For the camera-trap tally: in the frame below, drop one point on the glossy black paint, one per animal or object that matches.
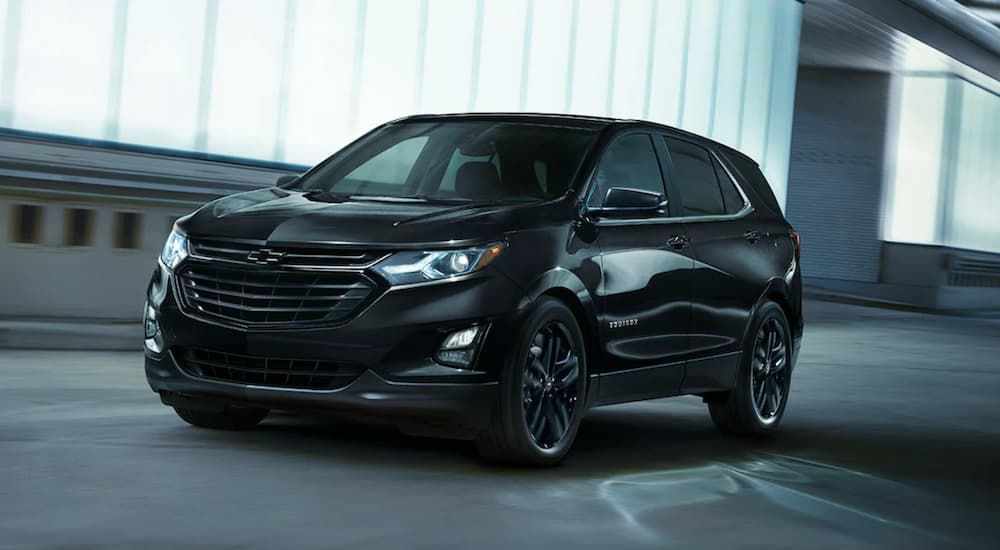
(664, 303)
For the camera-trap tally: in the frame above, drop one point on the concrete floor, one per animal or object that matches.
(891, 439)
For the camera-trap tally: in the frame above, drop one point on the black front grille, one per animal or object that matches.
(285, 256)
(251, 296)
(266, 371)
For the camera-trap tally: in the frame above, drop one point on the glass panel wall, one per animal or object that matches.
(592, 58)
(62, 75)
(161, 76)
(974, 219)
(913, 193)
(320, 85)
(246, 78)
(944, 185)
(632, 54)
(293, 80)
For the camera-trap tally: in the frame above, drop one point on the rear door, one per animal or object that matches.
(732, 262)
(645, 297)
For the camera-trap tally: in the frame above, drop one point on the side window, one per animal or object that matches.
(388, 169)
(629, 162)
(751, 175)
(694, 175)
(730, 195)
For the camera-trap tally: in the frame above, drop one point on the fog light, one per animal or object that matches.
(459, 348)
(151, 330)
(149, 322)
(460, 339)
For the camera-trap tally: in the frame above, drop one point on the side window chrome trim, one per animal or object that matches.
(743, 212)
(746, 199)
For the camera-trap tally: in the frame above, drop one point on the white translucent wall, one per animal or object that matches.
(293, 80)
(945, 182)
(974, 220)
(913, 192)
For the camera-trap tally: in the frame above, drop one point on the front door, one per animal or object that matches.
(645, 295)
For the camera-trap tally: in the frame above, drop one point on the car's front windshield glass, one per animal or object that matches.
(460, 161)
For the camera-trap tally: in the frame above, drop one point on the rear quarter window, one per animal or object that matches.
(750, 173)
(730, 195)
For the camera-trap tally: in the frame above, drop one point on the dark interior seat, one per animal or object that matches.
(478, 181)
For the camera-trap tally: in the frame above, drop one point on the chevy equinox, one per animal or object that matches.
(485, 276)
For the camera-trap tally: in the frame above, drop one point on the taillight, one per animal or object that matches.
(798, 243)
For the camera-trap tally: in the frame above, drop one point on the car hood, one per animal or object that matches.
(277, 217)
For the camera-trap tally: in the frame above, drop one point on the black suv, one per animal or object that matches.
(489, 277)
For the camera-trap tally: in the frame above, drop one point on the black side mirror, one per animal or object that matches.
(622, 202)
(285, 180)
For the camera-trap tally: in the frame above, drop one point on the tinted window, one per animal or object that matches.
(387, 169)
(694, 175)
(458, 160)
(127, 228)
(79, 223)
(750, 172)
(730, 195)
(629, 162)
(26, 223)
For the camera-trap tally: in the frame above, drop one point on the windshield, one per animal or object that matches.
(459, 161)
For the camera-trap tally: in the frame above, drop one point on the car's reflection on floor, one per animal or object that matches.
(891, 442)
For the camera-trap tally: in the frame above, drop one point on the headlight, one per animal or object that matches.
(174, 250)
(403, 268)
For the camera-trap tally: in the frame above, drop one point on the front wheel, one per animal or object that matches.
(542, 390)
(757, 404)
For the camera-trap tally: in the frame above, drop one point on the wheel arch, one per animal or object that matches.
(565, 286)
(779, 292)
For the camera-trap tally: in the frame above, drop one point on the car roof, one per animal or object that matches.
(580, 121)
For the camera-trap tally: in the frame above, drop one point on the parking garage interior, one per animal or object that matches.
(877, 123)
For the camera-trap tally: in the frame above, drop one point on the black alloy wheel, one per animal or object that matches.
(768, 371)
(551, 373)
(757, 403)
(542, 392)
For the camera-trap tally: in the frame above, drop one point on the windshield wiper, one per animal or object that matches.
(456, 201)
(389, 198)
(325, 196)
(331, 196)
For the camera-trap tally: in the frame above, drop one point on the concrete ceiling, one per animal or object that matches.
(901, 35)
(987, 9)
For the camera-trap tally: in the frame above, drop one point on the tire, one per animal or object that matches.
(542, 390)
(757, 404)
(231, 418)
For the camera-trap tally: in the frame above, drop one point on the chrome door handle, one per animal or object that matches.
(752, 236)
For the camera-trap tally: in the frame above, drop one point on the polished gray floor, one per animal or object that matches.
(891, 440)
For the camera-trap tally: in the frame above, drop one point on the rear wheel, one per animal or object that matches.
(542, 389)
(757, 404)
(230, 418)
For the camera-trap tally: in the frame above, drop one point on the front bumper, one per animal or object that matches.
(463, 405)
(391, 343)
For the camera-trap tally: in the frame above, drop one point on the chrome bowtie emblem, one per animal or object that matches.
(265, 256)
